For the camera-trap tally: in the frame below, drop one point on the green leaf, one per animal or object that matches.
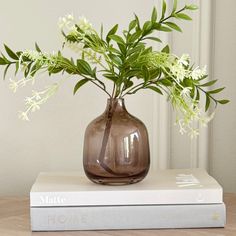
(207, 104)
(5, 59)
(216, 90)
(157, 90)
(146, 51)
(111, 32)
(101, 31)
(188, 82)
(133, 73)
(139, 48)
(80, 84)
(84, 67)
(147, 26)
(175, 6)
(146, 74)
(27, 70)
(160, 27)
(154, 39)
(17, 67)
(166, 49)
(122, 48)
(110, 76)
(182, 16)
(154, 73)
(113, 50)
(36, 67)
(128, 84)
(115, 59)
(165, 29)
(5, 71)
(163, 9)
(37, 48)
(191, 7)
(165, 82)
(3, 62)
(173, 26)
(197, 96)
(131, 59)
(132, 24)
(192, 93)
(208, 83)
(154, 15)
(54, 70)
(223, 101)
(117, 39)
(202, 78)
(10, 53)
(135, 36)
(138, 23)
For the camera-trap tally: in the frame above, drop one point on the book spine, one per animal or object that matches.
(182, 196)
(127, 217)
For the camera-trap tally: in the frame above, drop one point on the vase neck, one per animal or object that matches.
(115, 104)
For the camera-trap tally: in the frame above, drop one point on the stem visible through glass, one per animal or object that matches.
(109, 116)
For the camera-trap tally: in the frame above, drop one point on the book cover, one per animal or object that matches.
(172, 186)
(127, 217)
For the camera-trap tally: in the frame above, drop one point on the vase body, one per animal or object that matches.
(116, 147)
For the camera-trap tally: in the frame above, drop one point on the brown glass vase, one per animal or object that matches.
(116, 147)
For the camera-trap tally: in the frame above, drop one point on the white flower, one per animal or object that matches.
(182, 130)
(185, 92)
(188, 112)
(159, 59)
(33, 55)
(23, 116)
(35, 106)
(73, 31)
(34, 102)
(70, 17)
(36, 95)
(193, 133)
(28, 100)
(206, 119)
(74, 46)
(184, 59)
(23, 83)
(13, 85)
(50, 91)
(178, 71)
(197, 73)
(66, 21)
(84, 24)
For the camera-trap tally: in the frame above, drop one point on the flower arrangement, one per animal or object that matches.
(126, 60)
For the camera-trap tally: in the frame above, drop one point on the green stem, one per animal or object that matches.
(133, 88)
(207, 94)
(113, 90)
(99, 86)
(171, 15)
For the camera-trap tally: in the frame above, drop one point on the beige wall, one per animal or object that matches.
(53, 139)
(223, 135)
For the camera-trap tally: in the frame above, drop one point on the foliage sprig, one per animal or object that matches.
(126, 60)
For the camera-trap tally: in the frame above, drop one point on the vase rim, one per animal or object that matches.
(114, 99)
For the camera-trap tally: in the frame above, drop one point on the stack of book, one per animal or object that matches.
(174, 198)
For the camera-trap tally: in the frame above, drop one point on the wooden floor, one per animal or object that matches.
(14, 221)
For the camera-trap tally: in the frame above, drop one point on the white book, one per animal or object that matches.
(127, 217)
(173, 186)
